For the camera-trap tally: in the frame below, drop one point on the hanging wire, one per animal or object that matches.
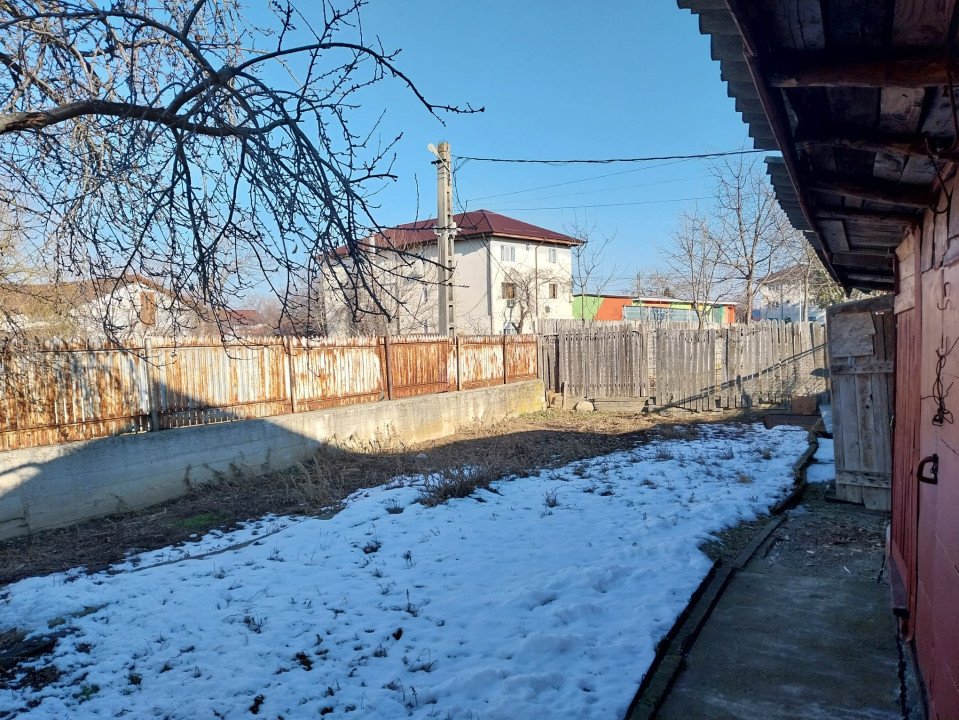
(942, 416)
(607, 161)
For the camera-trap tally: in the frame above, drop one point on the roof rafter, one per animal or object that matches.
(910, 146)
(867, 216)
(904, 69)
(878, 191)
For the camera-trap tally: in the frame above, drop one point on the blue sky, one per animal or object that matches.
(558, 79)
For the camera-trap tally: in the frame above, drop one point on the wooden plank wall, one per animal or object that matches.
(679, 365)
(65, 391)
(863, 345)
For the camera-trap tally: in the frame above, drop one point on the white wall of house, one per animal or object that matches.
(784, 301)
(137, 309)
(547, 266)
(482, 265)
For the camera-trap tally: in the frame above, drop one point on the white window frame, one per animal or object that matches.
(551, 255)
(507, 253)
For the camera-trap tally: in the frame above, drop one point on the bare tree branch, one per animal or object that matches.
(694, 262)
(180, 142)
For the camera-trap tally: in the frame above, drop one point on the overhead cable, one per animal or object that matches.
(607, 161)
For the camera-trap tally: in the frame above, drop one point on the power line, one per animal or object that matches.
(601, 190)
(606, 161)
(573, 182)
(585, 207)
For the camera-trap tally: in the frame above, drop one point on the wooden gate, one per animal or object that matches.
(862, 350)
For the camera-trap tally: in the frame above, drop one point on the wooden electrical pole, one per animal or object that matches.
(445, 233)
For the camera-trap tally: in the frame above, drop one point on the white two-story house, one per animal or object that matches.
(508, 275)
(786, 295)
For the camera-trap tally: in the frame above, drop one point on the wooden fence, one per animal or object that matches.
(64, 391)
(733, 366)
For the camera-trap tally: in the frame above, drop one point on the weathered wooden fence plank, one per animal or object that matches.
(730, 367)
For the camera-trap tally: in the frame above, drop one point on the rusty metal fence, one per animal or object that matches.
(64, 391)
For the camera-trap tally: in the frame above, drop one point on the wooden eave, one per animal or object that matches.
(856, 97)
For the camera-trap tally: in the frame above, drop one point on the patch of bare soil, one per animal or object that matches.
(827, 539)
(493, 451)
(733, 540)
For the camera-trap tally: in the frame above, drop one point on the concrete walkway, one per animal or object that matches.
(803, 630)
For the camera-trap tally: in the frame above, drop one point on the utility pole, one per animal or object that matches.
(445, 233)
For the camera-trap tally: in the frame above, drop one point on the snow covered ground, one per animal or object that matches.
(823, 467)
(542, 597)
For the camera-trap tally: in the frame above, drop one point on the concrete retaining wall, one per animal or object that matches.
(58, 485)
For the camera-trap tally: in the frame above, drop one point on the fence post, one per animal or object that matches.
(290, 372)
(388, 365)
(539, 352)
(459, 367)
(505, 368)
(153, 384)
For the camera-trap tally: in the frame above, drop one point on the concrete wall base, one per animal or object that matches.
(59, 485)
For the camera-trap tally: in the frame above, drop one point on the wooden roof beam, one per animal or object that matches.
(867, 216)
(914, 146)
(906, 70)
(863, 259)
(885, 192)
(873, 282)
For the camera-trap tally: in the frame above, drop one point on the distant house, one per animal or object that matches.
(672, 310)
(784, 295)
(508, 275)
(600, 307)
(122, 308)
(649, 309)
(247, 322)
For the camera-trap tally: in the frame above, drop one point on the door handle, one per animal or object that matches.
(931, 460)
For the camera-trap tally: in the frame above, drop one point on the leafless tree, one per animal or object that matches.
(178, 140)
(407, 304)
(656, 282)
(531, 290)
(817, 286)
(590, 274)
(751, 230)
(694, 262)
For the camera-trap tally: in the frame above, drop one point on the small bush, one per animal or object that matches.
(455, 482)
(549, 499)
(663, 453)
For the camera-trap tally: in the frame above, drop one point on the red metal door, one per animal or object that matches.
(937, 588)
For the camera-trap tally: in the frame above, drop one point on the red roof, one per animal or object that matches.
(246, 316)
(474, 224)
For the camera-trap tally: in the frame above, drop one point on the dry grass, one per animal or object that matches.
(474, 457)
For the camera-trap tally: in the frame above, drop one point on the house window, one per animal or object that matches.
(509, 291)
(551, 256)
(507, 253)
(553, 291)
